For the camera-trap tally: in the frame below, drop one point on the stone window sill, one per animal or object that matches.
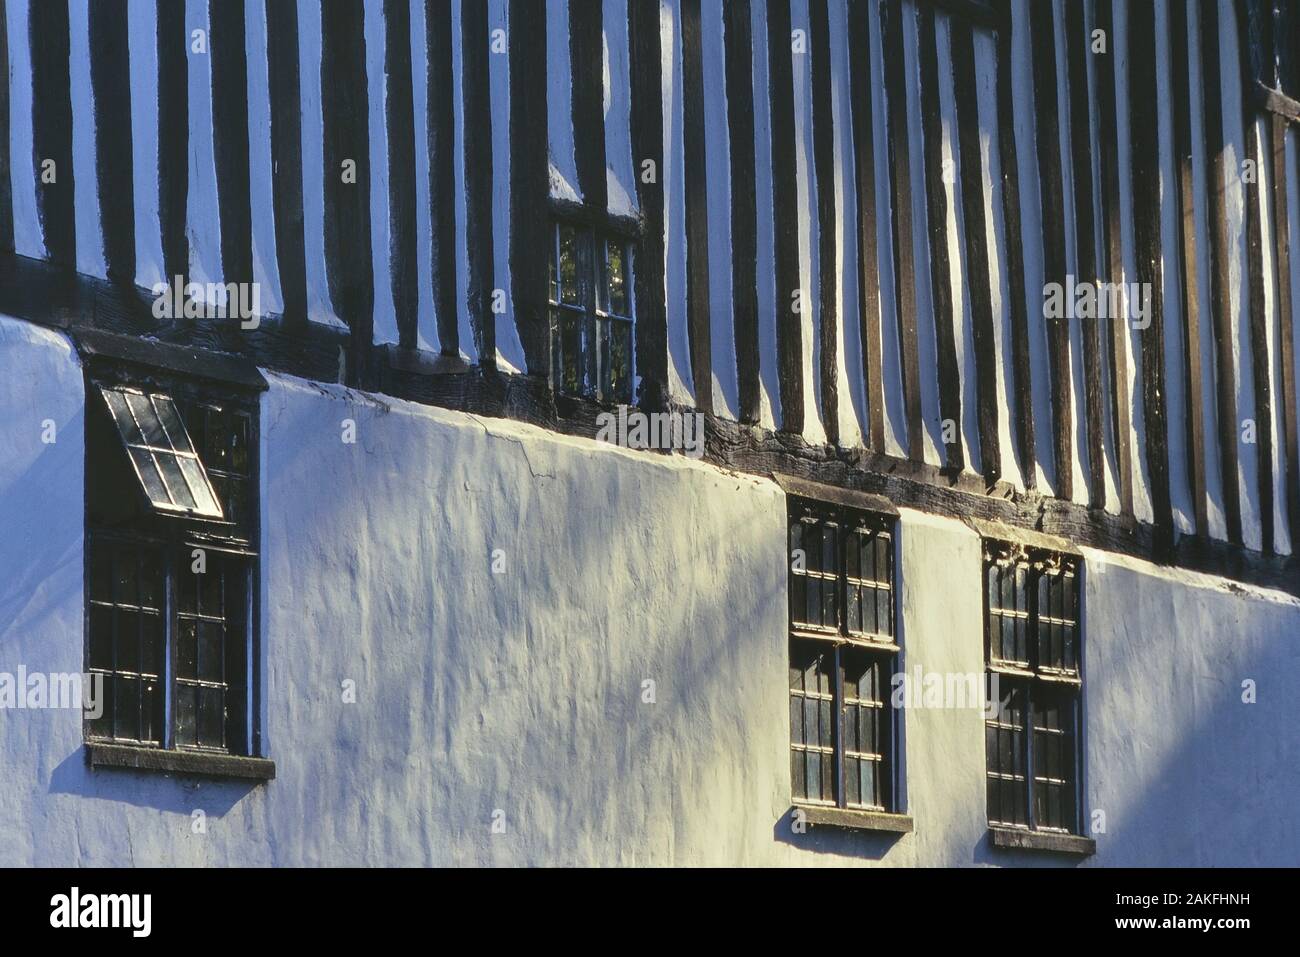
(1011, 838)
(179, 762)
(854, 819)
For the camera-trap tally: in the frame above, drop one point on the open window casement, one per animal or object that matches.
(162, 454)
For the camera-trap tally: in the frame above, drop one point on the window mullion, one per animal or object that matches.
(172, 630)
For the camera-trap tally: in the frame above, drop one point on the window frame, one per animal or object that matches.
(1033, 681)
(174, 535)
(594, 235)
(881, 653)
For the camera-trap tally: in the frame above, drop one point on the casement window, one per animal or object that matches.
(1033, 650)
(842, 657)
(171, 508)
(591, 313)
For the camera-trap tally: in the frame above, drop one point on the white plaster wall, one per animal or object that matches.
(522, 691)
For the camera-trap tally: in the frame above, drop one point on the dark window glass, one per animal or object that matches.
(170, 577)
(1033, 650)
(590, 314)
(842, 657)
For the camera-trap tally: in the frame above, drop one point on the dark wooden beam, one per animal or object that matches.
(586, 65)
(1051, 200)
(936, 203)
(6, 184)
(647, 122)
(738, 40)
(1265, 68)
(230, 137)
(1286, 337)
(40, 292)
(1112, 231)
(345, 109)
(173, 137)
(529, 184)
(477, 110)
(1077, 41)
(965, 87)
(441, 135)
(900, 191)
(52, 129)
(862, 82)
(785, 217)
(1145, 170)
(1022, 379)
(110, 79)
(823, 120)
(1188, 288)
(399, 118)
(286, 157)
(1220, 256)
(696, 175)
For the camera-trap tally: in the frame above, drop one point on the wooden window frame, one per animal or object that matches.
(1033, 680)
(842, 644)
(231, 539)
(595, 310)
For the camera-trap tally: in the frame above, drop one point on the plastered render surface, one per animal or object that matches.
(522, 691)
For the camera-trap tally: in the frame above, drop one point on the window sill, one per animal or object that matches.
(855, 820)
(1011, 838)
(179, 762)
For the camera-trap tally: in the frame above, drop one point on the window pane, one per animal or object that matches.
(1003, 743)
(570, 286)
(616, 268)
(148, 421)
(150, 478)
(617, 361)
(170, 418)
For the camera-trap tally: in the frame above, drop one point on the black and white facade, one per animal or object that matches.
(646, 431)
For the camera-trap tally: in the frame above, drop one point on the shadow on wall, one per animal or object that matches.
(834, 840)
(162, 792)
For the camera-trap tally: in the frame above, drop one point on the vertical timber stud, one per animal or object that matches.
(1145, 169)
(1043, 38)
(441, 128)
(1085, 242)
(828, 271)
(286, 158)
(936, 196)
(6, 185)
(965, 86)
(110, 77)
(52, 129)
(1015, 257)
(647, 117)
(529, 183)
(173, 138)
(1286, 337)
(861, 90)
(738, 41)
(785, 216)
(1263, 412)
(1220, 280)
(345, 108)
(230, 137)
(697, 208)
(586, 62)
(1188, 288)
(399, 117)
(1108, 146)
(900, 191)
(477, 109)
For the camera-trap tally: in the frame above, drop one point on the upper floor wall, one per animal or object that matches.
(850, 221)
